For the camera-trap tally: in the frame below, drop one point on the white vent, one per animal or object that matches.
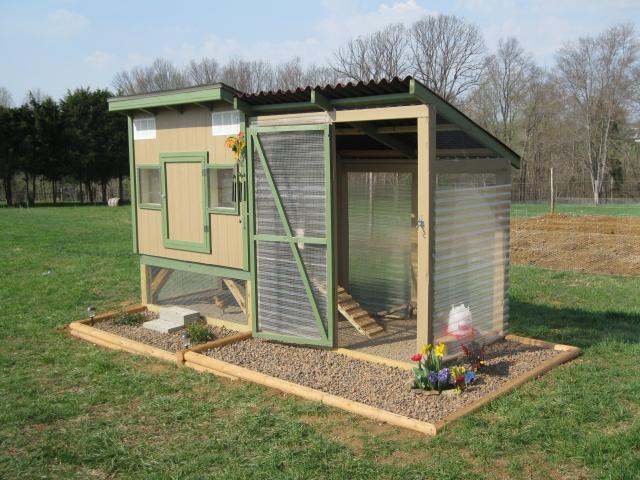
(225, 123)
(144, 128)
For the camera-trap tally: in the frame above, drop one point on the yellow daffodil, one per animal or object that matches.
(441, 350)
(426, 348)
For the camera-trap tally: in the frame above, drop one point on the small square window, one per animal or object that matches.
(144, 128)
(149, 187)
(225, 123)
(222, 188)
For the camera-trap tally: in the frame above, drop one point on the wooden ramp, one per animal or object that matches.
(357, 316)
(238, 292)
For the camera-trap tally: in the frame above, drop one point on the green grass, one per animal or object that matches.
(536, 209)
(72, 410)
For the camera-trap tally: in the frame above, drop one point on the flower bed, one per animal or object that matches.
(376, 385)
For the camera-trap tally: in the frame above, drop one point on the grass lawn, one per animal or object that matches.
(536, 209)
(70, 409)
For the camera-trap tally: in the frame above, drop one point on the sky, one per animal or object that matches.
(59, 45)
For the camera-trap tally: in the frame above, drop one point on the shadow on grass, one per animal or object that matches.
(572, 326)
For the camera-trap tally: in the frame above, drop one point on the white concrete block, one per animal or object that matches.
(163, 326)
(182, 315)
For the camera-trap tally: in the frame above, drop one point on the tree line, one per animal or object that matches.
(75, 140)
(578, 115)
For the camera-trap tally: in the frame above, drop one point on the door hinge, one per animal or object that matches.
(206, 229)
(204, 171)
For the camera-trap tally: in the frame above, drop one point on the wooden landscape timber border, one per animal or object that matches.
(193, 358)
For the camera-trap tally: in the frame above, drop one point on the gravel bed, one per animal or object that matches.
(378, 385)
(171, 342)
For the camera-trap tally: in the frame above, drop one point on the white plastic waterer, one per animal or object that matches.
(460, 324)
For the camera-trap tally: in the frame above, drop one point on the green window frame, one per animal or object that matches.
(141, 184)
(235, 209)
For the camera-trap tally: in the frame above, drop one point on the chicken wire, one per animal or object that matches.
(208, 294)
(296, 162)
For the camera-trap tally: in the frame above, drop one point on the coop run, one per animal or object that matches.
(370, 216)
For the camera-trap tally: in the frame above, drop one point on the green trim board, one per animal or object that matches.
(468, 126)
(132, 185)
(141, 204)
(251, 232)
(235, 210)
(327, 334)
(194, 267)
(215, 93)
(284, 107)
(185, 157)
(321, 101)
(374, 100)
(281, 238)
(244, 199)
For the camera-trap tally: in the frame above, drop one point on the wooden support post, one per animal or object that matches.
(553, 198)
(501, 269)
(144, 285)
(426, 191)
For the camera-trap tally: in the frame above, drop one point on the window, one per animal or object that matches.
(225, 123)
(222, 184)
(149, 186)
(144, 128)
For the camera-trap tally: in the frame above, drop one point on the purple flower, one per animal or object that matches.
(469, 377)
(443, 375)
(433, 378)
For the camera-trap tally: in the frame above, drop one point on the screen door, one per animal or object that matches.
(185, 224)
(293, 287)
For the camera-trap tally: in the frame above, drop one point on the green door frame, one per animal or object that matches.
(187, 157)
(327, 335)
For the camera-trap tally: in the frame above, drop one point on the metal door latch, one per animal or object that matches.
(420, 226)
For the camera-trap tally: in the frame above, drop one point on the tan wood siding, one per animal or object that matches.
(189, 131)
(185, 202)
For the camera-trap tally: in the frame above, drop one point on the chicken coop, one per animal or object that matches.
(370, 216)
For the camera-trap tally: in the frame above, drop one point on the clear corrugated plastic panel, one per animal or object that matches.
(380, 236)
(471, 258)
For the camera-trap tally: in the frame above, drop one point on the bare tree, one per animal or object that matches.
(290, 75)
(448, 55)
(597, 74)
(160, 75)
(502, 95)
(6, 100)
(382, 54)
(249, 76)
(204, 72)
(320, 75)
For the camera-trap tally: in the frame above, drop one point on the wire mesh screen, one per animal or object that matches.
(283, 304)
(471, 258)
(212, 296)
(296, 162)
(380, 240)
(267, 218)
